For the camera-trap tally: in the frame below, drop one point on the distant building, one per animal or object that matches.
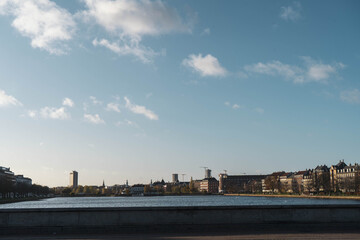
(240, 183)
(137, 189)
(7, 175)
(321, 179)
(334, 170)
(209, 185)
(20, 179)
(349, 178)
(175, 178)
(287, 182)
(308, 182)
(298, 181)
(207, 173)
(74, 179)
(271, 183)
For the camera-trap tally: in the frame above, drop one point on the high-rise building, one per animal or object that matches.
(175, 178)
(207, 173)
(74, 179)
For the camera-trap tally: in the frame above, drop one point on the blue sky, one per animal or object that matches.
(138, 90)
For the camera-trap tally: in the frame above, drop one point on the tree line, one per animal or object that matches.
(11, 189)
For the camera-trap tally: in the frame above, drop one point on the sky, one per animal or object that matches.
(137, 90)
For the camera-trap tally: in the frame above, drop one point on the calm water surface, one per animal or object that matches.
(169, 201)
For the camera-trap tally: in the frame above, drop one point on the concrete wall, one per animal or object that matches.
(72, 219)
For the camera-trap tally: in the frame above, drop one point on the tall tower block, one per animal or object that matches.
(74, 179)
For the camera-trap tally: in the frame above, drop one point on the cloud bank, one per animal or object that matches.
(45, 23)
(129, 21)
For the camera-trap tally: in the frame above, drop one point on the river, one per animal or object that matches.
(170, 201)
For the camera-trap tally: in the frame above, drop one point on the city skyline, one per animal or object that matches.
(140, 90)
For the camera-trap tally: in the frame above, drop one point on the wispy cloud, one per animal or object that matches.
(8, 100)
(351, 96)
(149, 95)
(259, 110)
(54, 113)
(140, 110)
(127, 123)
(313, 71)
(113, 107)
(206, 31)
(236, 106)
(130, 20)
(128, 48)
(95, 101)
(95, 119)
(68, 102)
(45, 23)
(291, 13)
(205, 66)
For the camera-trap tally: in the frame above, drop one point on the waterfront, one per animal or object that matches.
(170, 201)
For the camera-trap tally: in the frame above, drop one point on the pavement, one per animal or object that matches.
(279, 236)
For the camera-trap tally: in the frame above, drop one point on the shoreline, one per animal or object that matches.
(295, 196)
(12, 200)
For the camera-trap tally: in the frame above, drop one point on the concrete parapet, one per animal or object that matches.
(118, 219)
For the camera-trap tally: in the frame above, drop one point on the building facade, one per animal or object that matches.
(209, 185)
(240, 183)
(74, 179)
(20, 179)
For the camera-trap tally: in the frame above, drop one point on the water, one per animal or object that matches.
(170, 201)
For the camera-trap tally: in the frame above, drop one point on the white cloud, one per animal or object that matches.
(140, 110)
(135, 18)
(205, 66)
(291, 13)
(112, 107)
(32, 113)
(313, 71)
(227, 103)
(318, 71)
(68, 102)
(54, 113)
(149, 95)
(259, 110)
(93, 119)
(130, 20)
(45, 23)
(274, 68)
(8, 100)
(95, 101)
(128, 48)
(351, 96)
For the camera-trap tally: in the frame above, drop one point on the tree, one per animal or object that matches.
(272, 183)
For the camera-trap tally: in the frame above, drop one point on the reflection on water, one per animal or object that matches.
(170, 201)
